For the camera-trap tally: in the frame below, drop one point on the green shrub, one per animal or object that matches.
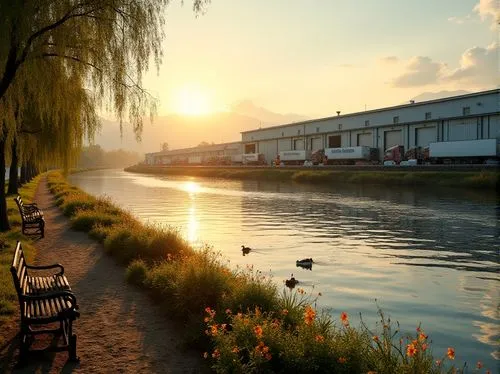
(136, 272)
(85, 220)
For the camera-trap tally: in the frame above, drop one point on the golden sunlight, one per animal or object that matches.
(193, 101)
(191, 187)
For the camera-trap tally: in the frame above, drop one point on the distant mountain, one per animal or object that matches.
(185, 131)
(248, 108)
(426, 96)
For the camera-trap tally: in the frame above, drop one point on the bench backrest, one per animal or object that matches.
(20, 272)
(20, 204)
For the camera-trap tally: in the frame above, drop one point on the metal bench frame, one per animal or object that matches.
(32, 218)
(44, 300)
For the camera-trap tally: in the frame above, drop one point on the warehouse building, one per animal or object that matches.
(416, 124)
(466, 117)
(206, 154)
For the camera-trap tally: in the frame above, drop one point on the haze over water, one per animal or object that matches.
(425, 256)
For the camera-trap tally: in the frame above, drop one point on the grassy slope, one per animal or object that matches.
(487, 179)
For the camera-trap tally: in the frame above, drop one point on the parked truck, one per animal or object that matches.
(396, 155)
(465, 152)
(346, 156)
(253, 159)
(296, 157)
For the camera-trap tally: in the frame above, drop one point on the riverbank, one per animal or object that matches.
(236, 315)
(120, 329)
(390, 176)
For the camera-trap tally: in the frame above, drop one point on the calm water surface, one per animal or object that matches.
(422, 255)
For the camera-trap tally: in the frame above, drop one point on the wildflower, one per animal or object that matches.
(411, 350)
(207, 332)
(320, 338)
(425, 346)
(309, 315)
(223, 327)
(284, 312)
(344, 318)
(275, 323)
(235, 350)
(257, 311)
(263, 350)
(213, 330)
(342, 360)
(422, 337)
(206, 319)
(375, 338)
(216, 353)
(228, 311)
(258, 331)
(419, 329)
(479, 365)
(239, 315)
(451, 353)
(268, 356)
(205, 355)
(438, 362)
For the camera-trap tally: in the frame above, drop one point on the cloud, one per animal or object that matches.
(420, 71)
(488, 9)
(478, 66)
(389, 59)
(460, 20)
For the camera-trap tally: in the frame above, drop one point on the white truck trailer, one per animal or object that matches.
(253, 159)
(464, 151)
(296, 157)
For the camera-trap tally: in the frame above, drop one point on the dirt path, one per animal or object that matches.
(120, 330)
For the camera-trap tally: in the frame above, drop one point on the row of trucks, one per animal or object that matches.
(361, 155)
(482, 151)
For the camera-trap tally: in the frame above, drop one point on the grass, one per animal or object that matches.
(485, 179)
(237, 316)
(8, 297)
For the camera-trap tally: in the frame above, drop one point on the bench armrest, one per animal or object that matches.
(47, 267)
(31, 209)
(53, 295)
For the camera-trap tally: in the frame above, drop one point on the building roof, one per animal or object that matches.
(450, 98)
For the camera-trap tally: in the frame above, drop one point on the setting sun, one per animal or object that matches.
(192, 101)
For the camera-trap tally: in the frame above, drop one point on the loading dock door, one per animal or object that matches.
(365, 139)
(250, 148)
(268, 149)
(463, 129)
(334, 141)
(392, 137)
(424, 136)
(284, 145)
(316, 144)
(298, 144)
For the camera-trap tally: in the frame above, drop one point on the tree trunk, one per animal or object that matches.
(23, 174)
(13, 176)
(4, 219)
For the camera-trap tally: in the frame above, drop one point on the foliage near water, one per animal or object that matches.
(8, 240)
(237, 316)
(485, 179)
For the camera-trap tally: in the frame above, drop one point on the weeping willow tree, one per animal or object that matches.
(101, 47)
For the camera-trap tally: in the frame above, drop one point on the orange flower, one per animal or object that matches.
(213, 330)
(425, 346)
(419, 329)
(206, 319)
(216, 353)
(375, 338)
(451, 353)
(284, 312)
(411, 350)
(258, 331)
(344, 318)
(235, 350)
(422, 337)
(309, 315)
(342, 360)
(320, 338)
(479, 365)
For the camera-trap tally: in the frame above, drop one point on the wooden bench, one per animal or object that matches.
(44, 300)
(32, 218)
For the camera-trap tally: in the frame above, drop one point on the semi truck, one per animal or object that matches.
(296, 157)
(465, 152)
(346, 156)
(253, 159)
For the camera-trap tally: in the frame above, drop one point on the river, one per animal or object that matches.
(422, 255)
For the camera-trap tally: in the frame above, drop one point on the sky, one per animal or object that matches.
(316, 57)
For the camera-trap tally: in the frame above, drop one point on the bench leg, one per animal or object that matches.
(42, 228)
(72, 342)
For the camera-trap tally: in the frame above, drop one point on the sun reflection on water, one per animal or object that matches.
(193, 225)
(191, 187)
